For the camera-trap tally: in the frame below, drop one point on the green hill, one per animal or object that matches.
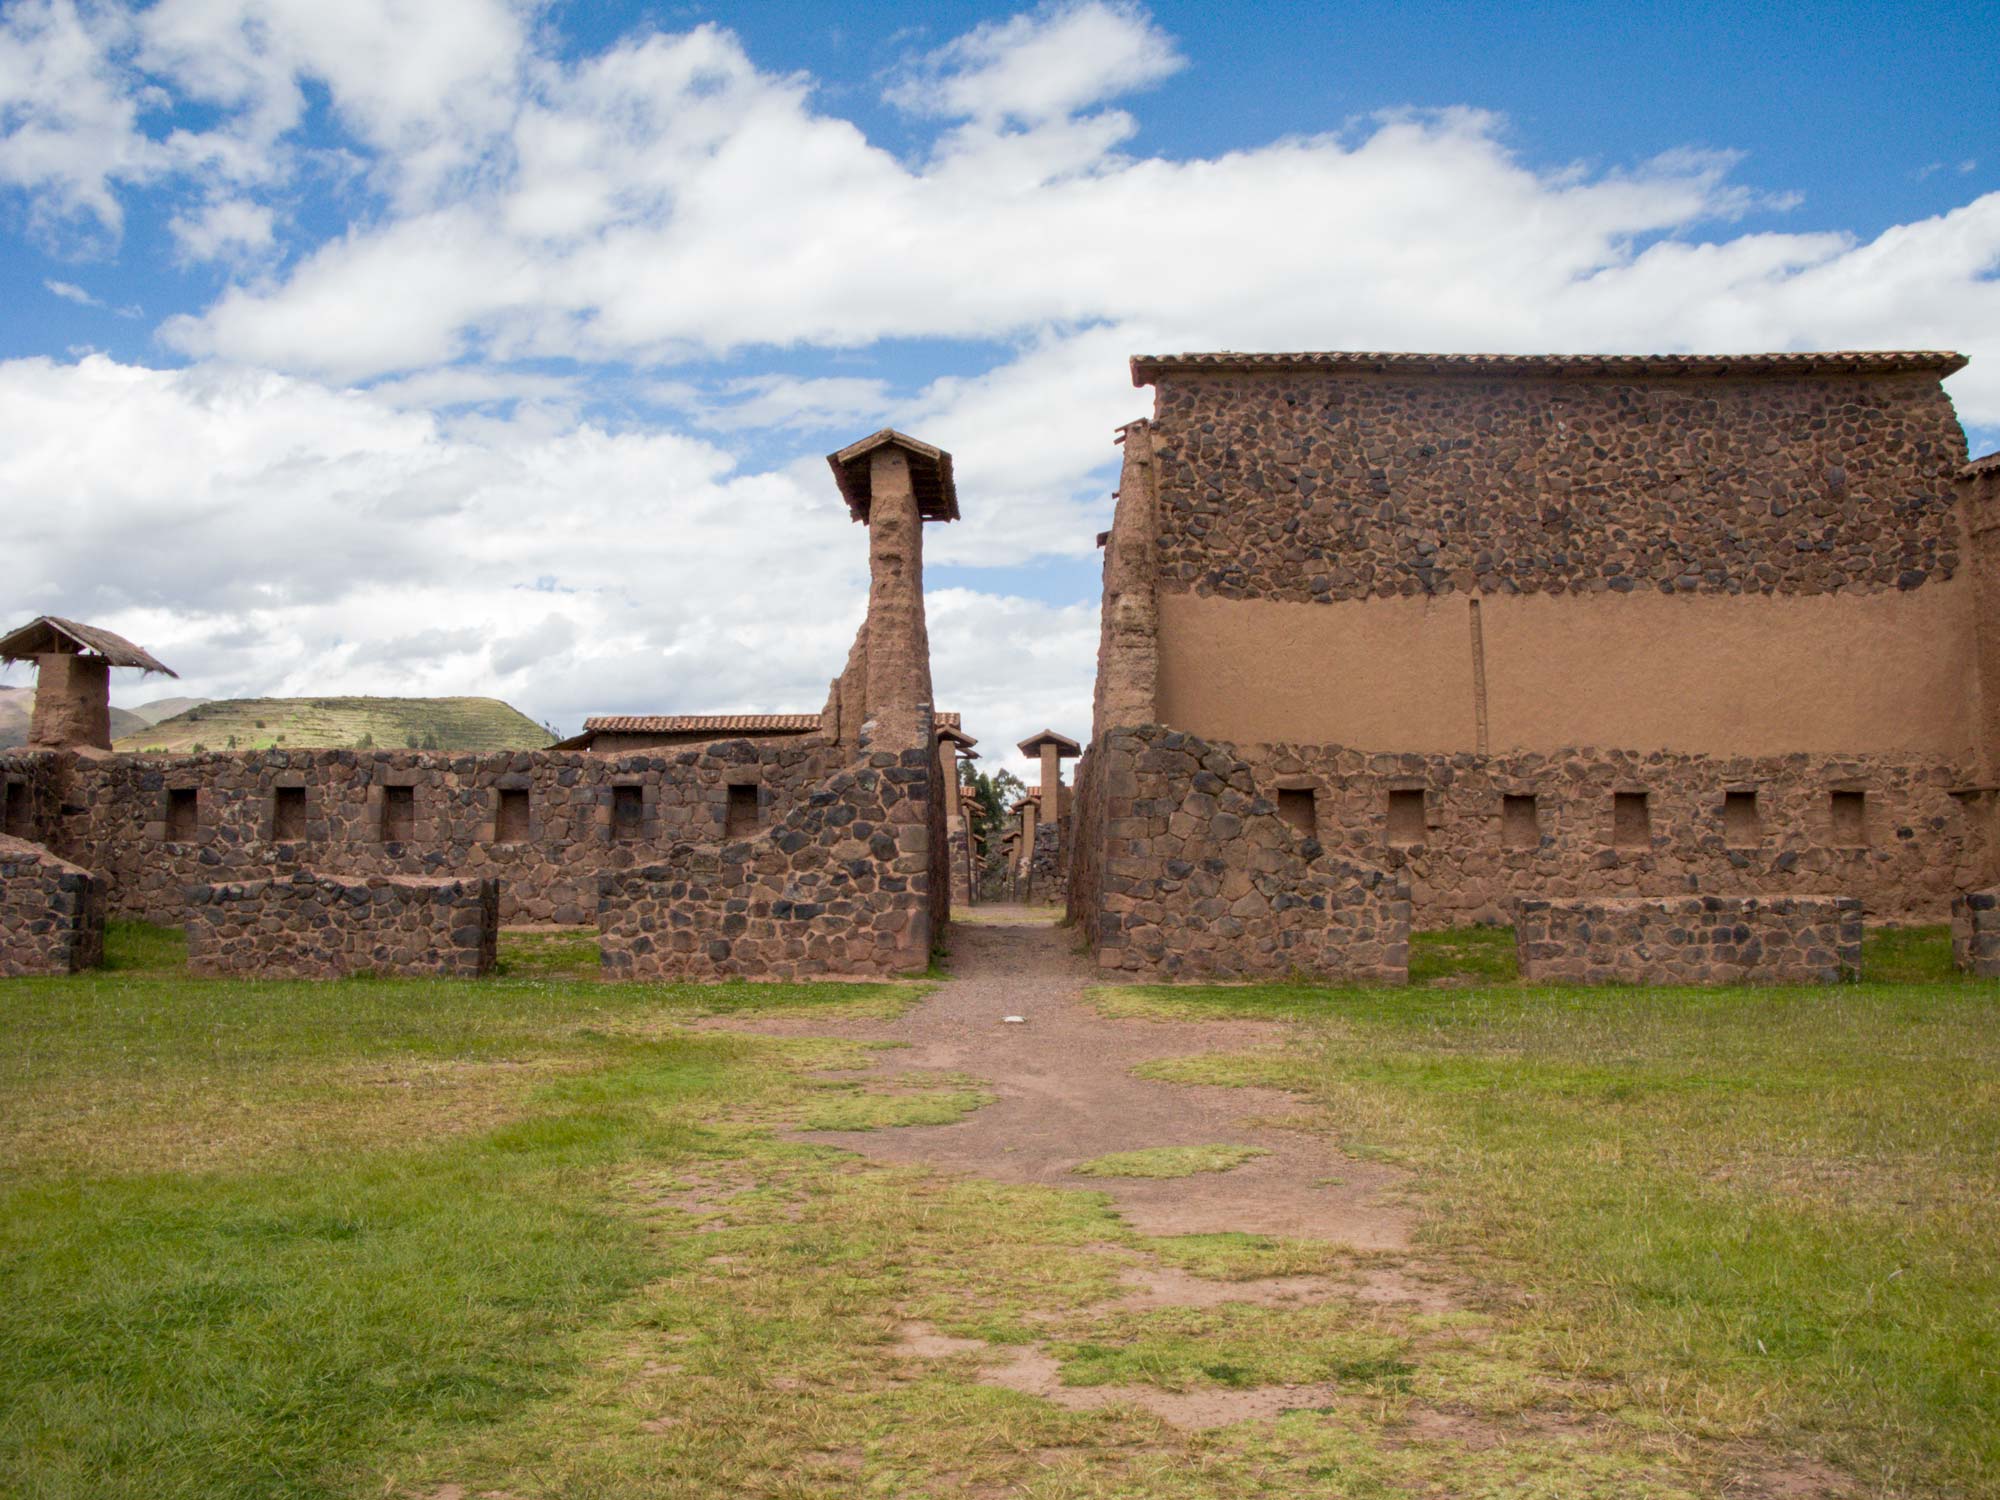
(343, 723)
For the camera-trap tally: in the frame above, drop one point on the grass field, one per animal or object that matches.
(1763, 1212)
(541, 1236)
(342, 723)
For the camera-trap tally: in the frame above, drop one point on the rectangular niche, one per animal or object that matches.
(1631, 820)
(1520, 821)
(1849, 812)
(628, 812)
(17, 816)
(1742, 825)
(183, 814)
(510, 816)
(288, 814)
(1406, 815)
(399, 814)
(1295, 806)
(741, 818)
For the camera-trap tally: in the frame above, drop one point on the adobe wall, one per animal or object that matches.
(840, 885)
(1694, 940)
(1922, 839)
(72, 702)
(51, 912)
(310, 925)
(116, 816)
(1185, 870)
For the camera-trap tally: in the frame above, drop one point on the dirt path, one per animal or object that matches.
(1066, 1094)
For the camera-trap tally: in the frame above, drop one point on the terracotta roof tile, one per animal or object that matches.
(1147, 367)
(715, 723)
(1987, 465)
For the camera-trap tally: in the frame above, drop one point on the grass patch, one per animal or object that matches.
(1759, 1211)
(1168, 1161)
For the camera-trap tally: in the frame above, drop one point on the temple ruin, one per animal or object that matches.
(1679, 664)
(1485, 629)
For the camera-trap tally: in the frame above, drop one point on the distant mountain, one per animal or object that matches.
(342, 723)
(164, 708)
(17, 708)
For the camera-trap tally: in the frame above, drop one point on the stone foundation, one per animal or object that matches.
(51, 913)
(1975, 933)
(1692, 940)
(314, 926)
(1184, 870)
(841, 885)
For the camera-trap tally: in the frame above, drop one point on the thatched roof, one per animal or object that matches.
(51, 634)
(930, 475)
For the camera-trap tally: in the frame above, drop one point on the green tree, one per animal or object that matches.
(430, 739)
(366, 742)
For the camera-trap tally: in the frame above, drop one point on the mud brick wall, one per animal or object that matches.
(316, 926)
(1920, 836)
(1196, 875)
(1314, 486)
(1975, 933)
(1690, 940)
(51, 912)
(839, 885)
(120, 812)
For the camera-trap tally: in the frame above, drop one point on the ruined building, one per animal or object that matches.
(816, 850)
(1438, 633)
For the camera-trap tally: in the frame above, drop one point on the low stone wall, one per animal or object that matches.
(840, 885)
(314, 926)
(543, 823)
(1486, 831)
(1196, 875)
(1975, 933)
(51, 912)
(1690, 940)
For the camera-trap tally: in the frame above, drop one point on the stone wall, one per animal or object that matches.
(31, 795)
(583, 814)
(316, 926)
(840, 885)
(51, 912)
(1975, 933)
(1193, 873)
(1314, 485)
(1048, 866)
(1473, 851)
(1690, 940)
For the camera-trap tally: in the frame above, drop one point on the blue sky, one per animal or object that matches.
(469, 346)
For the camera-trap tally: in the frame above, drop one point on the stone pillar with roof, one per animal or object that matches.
(1052, 750)
(73, 665)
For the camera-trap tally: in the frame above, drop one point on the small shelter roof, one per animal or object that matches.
(1941, 362)
(1987, 465)
(715, 723)
(1065, 746)
(930, 475)
(51, 634)
(947, 729)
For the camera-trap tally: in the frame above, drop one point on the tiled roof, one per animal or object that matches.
(1147, 367)
(1065, 746)
(1986, 465)
(52, 633)
(716, 723)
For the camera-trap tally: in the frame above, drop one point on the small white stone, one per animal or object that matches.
(1014, 1020)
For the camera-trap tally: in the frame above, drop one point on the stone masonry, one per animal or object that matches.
(838, 886)
(313, 926)
(1692, 940)
(1975, 933)
(1184, 869)
(1301, 481)
(51, 912)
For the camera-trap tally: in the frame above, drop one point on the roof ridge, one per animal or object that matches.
(1830, 361)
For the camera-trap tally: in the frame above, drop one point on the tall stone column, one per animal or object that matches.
(72, 702)
(1051, 784)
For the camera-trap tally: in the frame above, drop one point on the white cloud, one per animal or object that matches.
(225, 229)
(1042, 66)
(69, 291)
